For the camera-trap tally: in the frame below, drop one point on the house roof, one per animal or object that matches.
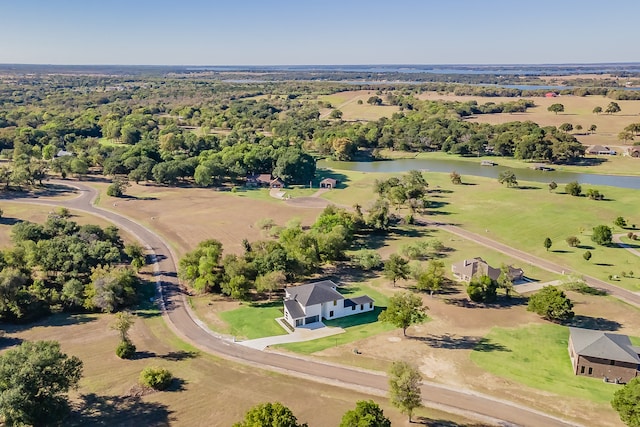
(597, 148)
(329, 181)
(476, 266)
(294, 309)
(364, 299)
(603, 345)
(314, 293)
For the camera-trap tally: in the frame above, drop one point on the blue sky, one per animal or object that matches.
(272, 32)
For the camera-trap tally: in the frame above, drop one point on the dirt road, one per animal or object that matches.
(181, 320)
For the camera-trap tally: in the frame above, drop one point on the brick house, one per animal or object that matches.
(603, 355)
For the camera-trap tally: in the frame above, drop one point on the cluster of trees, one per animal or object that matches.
(367, 413)
(268, 264)
(63, 265)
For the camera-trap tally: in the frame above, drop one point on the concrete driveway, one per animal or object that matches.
(305, 333)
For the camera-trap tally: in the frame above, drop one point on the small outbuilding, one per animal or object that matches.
(600, 150)
(328, 183)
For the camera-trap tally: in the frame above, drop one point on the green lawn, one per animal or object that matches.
(254, 320)
(357, 327)
(537, 356)
(523, 217)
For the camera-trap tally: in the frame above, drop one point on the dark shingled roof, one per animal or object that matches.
(358, 300)
(294, 309)
(314, 293)
(603, 345)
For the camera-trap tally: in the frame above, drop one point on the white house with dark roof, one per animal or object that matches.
(603, 355)
(310, 303)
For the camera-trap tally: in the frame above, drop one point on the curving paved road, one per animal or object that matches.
(181, 320)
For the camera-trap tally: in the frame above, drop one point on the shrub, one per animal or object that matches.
(125, 350)
(573, 188)
(573, 241)
(155, 377)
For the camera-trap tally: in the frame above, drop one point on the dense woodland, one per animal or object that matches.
(65, 266)
(207, 132)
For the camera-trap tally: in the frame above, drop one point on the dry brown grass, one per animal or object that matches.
(208, 391)
(347, 102)
(186, 216)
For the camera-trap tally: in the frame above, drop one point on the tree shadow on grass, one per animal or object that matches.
(561, 251)
(176, 356)
(597, 323)
(59, 319)
(356, 319)
(6, 342)
(111, 411)
(454, 342)
(527, 187)
(9, 221)
(604, 264)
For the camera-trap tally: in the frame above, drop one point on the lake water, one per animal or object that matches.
(475, 169)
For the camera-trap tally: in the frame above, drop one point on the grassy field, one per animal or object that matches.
(254, 320)
(577, 111)
(537, 356)
(347, 102)
(523, 218)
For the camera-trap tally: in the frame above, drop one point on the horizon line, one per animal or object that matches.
(532, 64)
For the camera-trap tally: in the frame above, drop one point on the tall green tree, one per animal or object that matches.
(404, 387)
(34, 380)
(367, 413)
(200, 268)
(432, 278)
(404, 309)
(626, 401)
(547, 243)
(269, 415)
(602, 235)
(552, 304)
(396, 268)
(556, 108)
(508, 177)
(613, 108)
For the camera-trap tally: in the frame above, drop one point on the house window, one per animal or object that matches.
(353, 307)
(361, 307)
(590, 371)
(335, 302)
(612, 362)
(298, 322)
(582, 369)
(331, 313)
(370, 305)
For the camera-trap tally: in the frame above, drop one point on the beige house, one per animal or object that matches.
(465, 270)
